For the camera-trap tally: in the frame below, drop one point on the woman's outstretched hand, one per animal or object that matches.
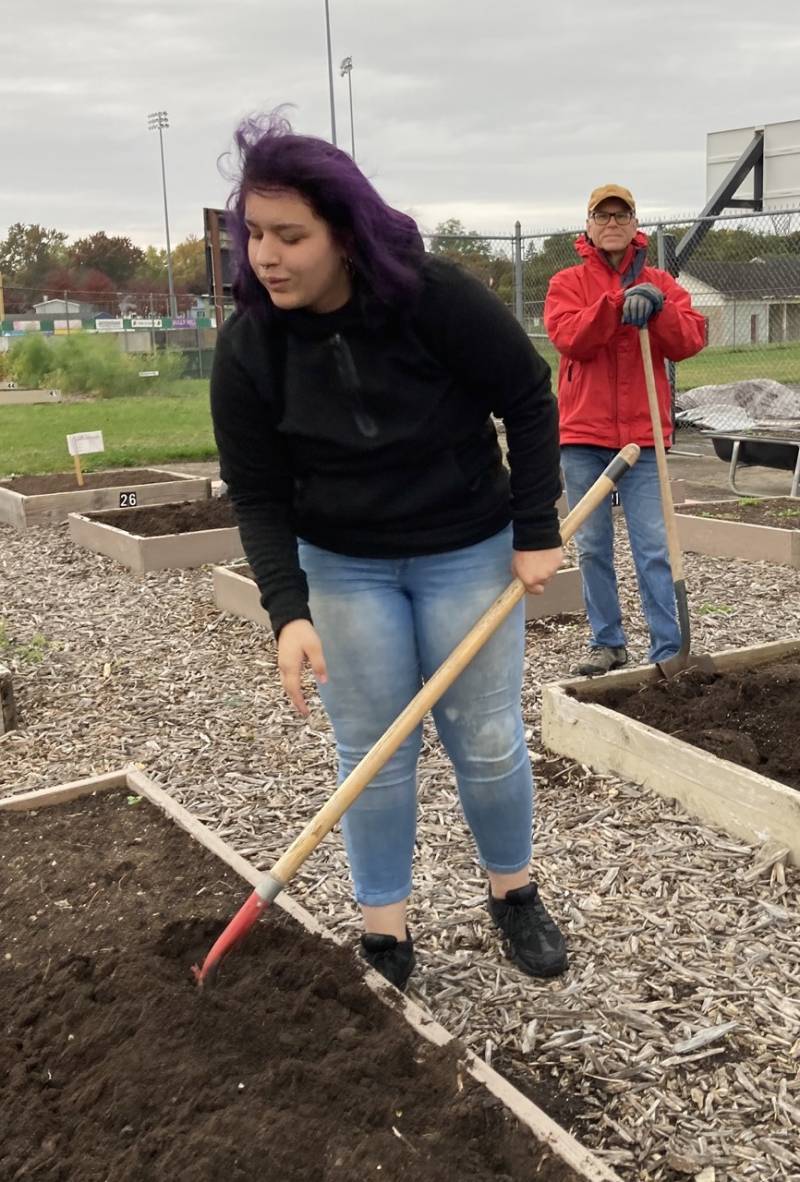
(535, 568)
(299, 644)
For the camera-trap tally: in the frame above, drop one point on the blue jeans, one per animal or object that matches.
(641, 502)
(385, 625)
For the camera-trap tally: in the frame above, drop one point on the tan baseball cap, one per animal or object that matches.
(605, 191)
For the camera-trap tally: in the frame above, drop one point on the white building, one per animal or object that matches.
(747, 303)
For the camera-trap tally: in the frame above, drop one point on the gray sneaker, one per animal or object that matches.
(601, 660)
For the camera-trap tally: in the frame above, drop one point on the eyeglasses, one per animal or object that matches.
(623, 217)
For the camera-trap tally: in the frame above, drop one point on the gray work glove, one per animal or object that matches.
(641, 302)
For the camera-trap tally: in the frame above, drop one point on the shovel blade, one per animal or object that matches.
(672, 666)
(243, 921)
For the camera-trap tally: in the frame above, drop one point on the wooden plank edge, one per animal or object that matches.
(696, 793)
(582, 713)
(44, 797)
(744, 525)
(752, 655)
(143, 553)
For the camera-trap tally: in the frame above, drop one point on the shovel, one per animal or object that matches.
(670, 666)
(273, 882)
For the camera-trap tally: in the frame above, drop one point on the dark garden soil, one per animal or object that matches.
(58, 482)
(779, 512)
(153, 521)
(114, 1066)
(751, 717)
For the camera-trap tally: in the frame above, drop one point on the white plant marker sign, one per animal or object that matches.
(84, 443)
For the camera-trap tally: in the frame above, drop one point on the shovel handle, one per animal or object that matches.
(320, 825)
(673, 544)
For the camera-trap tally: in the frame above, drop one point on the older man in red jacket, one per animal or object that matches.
(592, 314)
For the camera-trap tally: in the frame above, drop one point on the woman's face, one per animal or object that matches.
(293, 253)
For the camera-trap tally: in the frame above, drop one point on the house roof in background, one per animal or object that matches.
(777, 277)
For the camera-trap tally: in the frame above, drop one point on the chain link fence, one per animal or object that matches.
(742, 271)
(743, 274)
(139, 322)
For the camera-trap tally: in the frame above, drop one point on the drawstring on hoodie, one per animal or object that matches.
(348, 376)
(635, 269)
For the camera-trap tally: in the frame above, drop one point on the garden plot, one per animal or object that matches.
(118, 1066)
(723, 745)
(48, 500)
(758, 530)
(235, 591)
(675, 930)
(160, 537)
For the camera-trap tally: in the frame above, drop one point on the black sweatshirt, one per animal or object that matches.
(375, 440)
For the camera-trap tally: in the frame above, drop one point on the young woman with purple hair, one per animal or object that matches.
(352, 396)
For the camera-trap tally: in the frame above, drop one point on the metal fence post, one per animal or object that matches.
(672, 373)
(519, 300)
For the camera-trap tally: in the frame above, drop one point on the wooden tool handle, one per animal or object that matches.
(320, 825)
(673, 545)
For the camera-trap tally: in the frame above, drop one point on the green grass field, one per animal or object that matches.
(174, 424)
(714, 367)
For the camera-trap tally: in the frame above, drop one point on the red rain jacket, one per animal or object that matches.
(602, 396)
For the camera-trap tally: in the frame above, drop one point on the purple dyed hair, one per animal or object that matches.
(383, 244)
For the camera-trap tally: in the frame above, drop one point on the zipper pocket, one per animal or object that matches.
(348, 376)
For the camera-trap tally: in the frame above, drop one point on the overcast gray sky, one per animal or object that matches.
(483, 111)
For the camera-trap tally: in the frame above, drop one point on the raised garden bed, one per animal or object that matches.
(766, 530)
(48, 500)
(8, 712)
(161, 537)
(235, 591)
(14, 397)
(293, 1067)
(746, 719)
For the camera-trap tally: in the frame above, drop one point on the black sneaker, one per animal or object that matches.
(601, 659)
(532, 939)
(392, 958)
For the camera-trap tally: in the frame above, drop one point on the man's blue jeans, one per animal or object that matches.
(641, 502)
(385, 625)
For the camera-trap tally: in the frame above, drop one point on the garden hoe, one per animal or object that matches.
(670, 666)
(290, 862)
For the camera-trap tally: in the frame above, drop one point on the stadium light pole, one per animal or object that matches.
(330, 72)
(347, 68)
(158, 121)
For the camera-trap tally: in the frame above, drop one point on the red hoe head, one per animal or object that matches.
(243, 921)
